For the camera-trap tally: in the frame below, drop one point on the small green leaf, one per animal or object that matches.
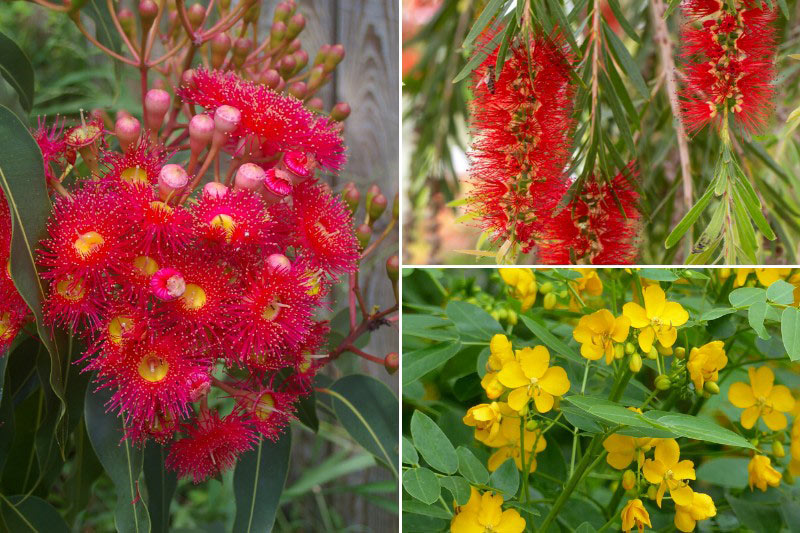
(729, 472)
(121, 460)
(658, 274)
(717, 312)
(527, 508)
(419, 362)
(755, 317)
(698, 428)
(433, 444)
(472, 322)
(790, 332)
(422, 484)
(258, 483)
(418, 508)
(458, 487)
(747, 296)
(506, 479)
(470, 467)
(410, 456)
(781, 292)
(550, 340)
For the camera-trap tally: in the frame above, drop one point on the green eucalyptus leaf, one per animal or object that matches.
(161, 484)
(31, 514)
(16, 69)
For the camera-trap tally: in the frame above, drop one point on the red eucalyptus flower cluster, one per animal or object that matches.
(730, 63)
(521, 126)
(167, 287)
(13, 311)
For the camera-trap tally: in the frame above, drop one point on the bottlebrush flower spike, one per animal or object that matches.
(211, 446)
(323, 228)
(521, 122)
(279, 121)
(600, 226)
(729, 63)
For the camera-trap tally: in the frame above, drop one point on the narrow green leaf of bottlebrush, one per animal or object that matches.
(458, 487)
(689, 218)
(478, 57)
(752, 204)
(501, 53)
(3, 365)
(561, 17)
(258, 483)
(339, 464)
(17, 70)
(368, 410)
(744, 230)
(622, 93)
(671, 7)
(87, 469)
(623, 21)
(105, 31)
(121, 460)
(23, 181)
(10, 99)
(610, 96)
(421, 484)
(790, 332)
(31, 514)
(433, 444)
(506, 479)
(492, 8)
(161, 484)
(627, 63)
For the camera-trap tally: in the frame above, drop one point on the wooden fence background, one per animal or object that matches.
(367, 79)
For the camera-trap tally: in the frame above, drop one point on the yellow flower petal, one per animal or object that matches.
(555, 381)
(668, 452)
(761, 380)
(510, 522)
(518, 398)
(682, 495)
(534, 362)
(781, 398)
(653, 471)
(544, 401)
(684, 470)
(654, 301)
(512, 376)
(619, 460)
(775, 420)
(498, 458)
(622, 326)
(646, 337)
(749, 417)
(674, 314)
(741, 395)
(636, 314)
(666, 336)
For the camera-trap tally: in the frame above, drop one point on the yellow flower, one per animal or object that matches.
(635, 515)
(768, 276)
(701, 508)
(741, 276)
(761, 398)
(531, 376)
(523, 284)
(589, 282)
(760, 473)
(486, 418)
(622, 450)
(668, 472)
(657, 319)
(483, 513)
(508, 444)
(597, 333)
(794, 463)
(500, 353)
(706, 362)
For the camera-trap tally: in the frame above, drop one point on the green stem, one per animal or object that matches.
(572, 483)
(615, 499)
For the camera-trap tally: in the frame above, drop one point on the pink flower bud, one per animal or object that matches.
(298, 89)
(271, 78)
(335, 56)
(287, 66)
(199, 385)
(226, 119)
(277, 185)
(278, 263)
(187, 78)
(277, 33)
(296, 24)
(171, 180)
(340, 111)
(167, 284)
(249, 176)
(127, 130)
(294, 46)
(322, 54)
(300, 165)
(148, 10)
(156, 105)
(201, 130)
(282, 12)
(220, 46)
(315, 104)
(213, 189)
(301, 57)
(196, 15)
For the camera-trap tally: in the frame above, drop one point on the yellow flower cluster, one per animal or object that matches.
(522, 283)
(666, 472)
(598, 332)
(761, 398)
(484, 513)
(705, 363)
(794, 463)
(658, 319)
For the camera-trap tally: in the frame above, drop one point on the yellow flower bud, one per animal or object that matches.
(777, 450)
(635, 363)
(652, 491)
(513, 318)
(546, 287)
(628, 479)
(680, 352)
(711, 387)
(653, 353)
(663, 382)
(619, 351)
(629, 348)
(549, 300)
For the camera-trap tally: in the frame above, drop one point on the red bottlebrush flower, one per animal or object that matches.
(273, 317)
(211, 446)
(150, 376)
(279, 121)
(323, 228)
(155, 226)
(234, 223)
(268, 411)
(52, 145)
(599, 226)
(202, 308)
(140, 165)
(72, 303)
(88, 239)
(521, 122)
(730, 64)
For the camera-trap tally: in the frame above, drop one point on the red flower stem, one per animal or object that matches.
(365, 355)
(380, 239)
(176, 104)
(359, 296)
(54, 7)
(233, 391)
(352, 299)
(368, 324)
(77, 20)
(113, 12)
(212, 154)
(170, 53)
